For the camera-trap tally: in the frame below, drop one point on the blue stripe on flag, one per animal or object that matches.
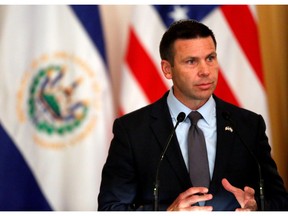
(90, 18)
(19, 190)
(197, 12)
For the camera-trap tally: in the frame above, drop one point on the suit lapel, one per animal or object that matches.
(225, 138)
(162, 127)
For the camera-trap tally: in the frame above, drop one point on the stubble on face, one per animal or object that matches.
(195, 71)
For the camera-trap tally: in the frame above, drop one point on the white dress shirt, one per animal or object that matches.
(207, 124)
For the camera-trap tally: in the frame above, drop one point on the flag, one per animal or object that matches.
(56, 108)
(241, 77)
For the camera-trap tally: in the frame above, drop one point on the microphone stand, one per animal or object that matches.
(226, 116)
(181, 116)
(261, 181)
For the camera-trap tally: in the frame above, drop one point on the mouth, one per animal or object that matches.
(205, 86)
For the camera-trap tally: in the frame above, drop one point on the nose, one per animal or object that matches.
(203, 69)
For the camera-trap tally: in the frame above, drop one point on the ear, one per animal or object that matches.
(166, 69)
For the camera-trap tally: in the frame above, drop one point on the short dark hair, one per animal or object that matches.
(182, 29)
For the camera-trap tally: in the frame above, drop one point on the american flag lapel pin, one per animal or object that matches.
(228, 128)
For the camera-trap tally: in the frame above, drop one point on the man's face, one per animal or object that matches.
(195, 70)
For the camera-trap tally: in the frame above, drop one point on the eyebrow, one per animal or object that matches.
(196, 57)
(212, 53)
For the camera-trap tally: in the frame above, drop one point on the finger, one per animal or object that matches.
(249, 197)
(192, 191)
(199, 198)
(238, 193)
(249, 192)
(184, 200)
(191, 200)
(201, 208)
(226, 184)
(190, 197)
(189, 192)
(251, 205)
(182, 206)
(242, 209)
(193, 208)
(197, 190)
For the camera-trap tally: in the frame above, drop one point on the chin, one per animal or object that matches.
(205, 96)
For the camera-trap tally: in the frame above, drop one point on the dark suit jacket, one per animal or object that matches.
(139, 138)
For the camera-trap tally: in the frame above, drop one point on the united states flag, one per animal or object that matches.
(241, 79)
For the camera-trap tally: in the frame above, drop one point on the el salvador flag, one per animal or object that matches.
(56, 107)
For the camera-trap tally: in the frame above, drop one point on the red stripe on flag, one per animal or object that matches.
(144, 69)
(120, 112)
(223, 90)
(243, 25)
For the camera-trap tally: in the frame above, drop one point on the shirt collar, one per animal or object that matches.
(208, 110)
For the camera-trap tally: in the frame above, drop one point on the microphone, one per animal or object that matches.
(226, 115)
(180, 118)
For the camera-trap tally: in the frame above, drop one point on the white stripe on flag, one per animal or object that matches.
(149, 30)
(131, 95)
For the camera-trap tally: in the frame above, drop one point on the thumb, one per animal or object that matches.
(226, 184)
(238, 193)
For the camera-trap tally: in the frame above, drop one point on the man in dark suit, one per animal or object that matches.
(235, 140)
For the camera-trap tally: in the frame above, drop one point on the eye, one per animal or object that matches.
(211, 58)
(191, 61)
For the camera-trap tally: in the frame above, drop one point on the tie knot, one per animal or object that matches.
(194, 117)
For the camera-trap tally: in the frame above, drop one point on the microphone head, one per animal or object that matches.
(181, 116)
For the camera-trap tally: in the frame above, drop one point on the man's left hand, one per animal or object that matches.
(245, 198)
